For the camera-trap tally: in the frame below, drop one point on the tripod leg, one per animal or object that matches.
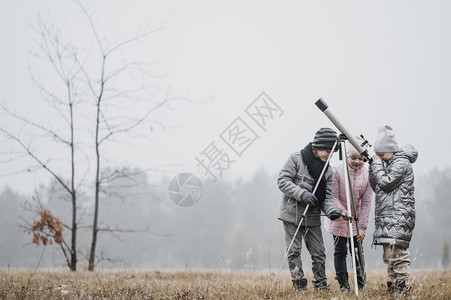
(349, 196)
(360, 261)
(288, 250)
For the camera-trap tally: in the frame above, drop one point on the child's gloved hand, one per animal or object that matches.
(309, 198)
(334, 215)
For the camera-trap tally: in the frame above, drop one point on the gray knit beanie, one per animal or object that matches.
(324, 139)
(386, 140)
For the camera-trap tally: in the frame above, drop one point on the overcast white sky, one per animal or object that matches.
(373, 62)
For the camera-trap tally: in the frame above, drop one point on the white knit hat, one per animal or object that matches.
(386, 140)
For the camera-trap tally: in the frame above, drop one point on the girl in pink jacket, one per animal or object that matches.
(339, 228)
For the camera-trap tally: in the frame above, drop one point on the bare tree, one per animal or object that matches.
(101, 85)
(56, 53)
(111, 105)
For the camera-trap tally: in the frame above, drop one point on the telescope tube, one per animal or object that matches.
(325, 109)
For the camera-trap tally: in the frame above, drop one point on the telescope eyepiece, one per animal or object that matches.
(321, 104)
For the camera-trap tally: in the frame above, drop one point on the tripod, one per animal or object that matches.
(357, 250)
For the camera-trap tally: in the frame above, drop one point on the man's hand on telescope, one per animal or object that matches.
(309, 199)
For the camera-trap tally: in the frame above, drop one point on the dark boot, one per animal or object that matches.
(321, 286)
(360, 282)
(342, 278)
(390, 287)
(300, 285)
(401, 287)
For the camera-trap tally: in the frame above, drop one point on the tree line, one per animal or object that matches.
(233, 226)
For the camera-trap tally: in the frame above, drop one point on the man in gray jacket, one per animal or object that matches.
(297, 180)
(392, 179)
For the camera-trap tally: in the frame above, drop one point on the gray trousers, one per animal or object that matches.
(313, 239)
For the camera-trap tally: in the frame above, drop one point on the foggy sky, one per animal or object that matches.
(374, 63)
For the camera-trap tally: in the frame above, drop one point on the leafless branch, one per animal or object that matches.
(27, 170)
(29, 152)
(50, 132)
(102, 257)
(115, 231)
(132, 126)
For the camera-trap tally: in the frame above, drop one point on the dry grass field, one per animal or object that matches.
(204, 284)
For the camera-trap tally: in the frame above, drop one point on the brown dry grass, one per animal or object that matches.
(126, 284)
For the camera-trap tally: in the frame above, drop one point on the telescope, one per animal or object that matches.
(357, 145)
